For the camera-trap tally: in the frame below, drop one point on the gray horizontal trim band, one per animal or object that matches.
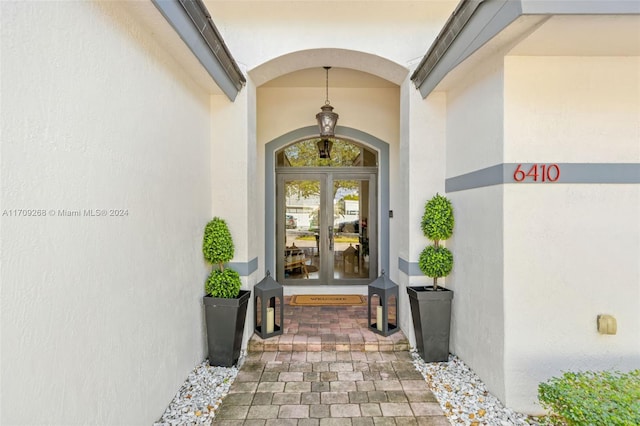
(484, 177)
(591, 173)
(411, 269)
(245, 268)
(580, 7)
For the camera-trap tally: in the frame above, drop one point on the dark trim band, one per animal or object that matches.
(411, 269)
(571, 173)
(245, 268)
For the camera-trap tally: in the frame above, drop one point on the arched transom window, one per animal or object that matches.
(344, 153)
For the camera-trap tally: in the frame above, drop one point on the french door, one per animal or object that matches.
(326, 226)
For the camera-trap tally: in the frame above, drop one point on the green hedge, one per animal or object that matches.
(604, 398)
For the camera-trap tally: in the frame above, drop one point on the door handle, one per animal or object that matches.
(330, 237)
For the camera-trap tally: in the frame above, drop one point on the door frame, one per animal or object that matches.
(326, 177)
(355, 135)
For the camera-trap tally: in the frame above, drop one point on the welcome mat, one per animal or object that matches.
(328, 300)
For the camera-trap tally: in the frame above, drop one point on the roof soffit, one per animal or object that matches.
(503, 27)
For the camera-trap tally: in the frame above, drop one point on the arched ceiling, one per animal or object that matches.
(349, 69)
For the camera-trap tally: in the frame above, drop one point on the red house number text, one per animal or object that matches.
(537, 173)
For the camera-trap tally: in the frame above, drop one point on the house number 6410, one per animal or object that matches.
(537, 173)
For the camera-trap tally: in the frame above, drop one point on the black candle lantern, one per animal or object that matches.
(270, 295)
(386, 290)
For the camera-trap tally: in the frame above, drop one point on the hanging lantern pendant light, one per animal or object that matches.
(327, 120)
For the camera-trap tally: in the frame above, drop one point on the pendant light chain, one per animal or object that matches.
(326, 102)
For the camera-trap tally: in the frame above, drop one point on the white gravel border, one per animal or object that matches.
(199, 397)
(463, 397)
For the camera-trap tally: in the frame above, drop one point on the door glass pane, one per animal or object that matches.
(301, 215)
(350, 235)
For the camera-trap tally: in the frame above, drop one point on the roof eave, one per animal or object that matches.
(473, 23)
(191, 20)
(476, 22)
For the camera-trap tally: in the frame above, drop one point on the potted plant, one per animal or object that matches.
(225, 304)
(431, 305)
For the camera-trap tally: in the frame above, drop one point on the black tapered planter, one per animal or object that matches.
(225, 326)
(431, 313)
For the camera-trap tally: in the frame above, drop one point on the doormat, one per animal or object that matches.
(328, 300)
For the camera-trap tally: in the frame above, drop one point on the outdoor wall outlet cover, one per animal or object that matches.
(607, 324)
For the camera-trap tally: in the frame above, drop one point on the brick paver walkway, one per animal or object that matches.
(329, 328)
(329, 369)
(329, 388)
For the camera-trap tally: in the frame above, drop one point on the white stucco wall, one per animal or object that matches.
(474, 141)
(427, 155)
(234, 193)
(230, 164)
(372, 110)
(475, 120)
(571, 250)
(590, 107)
(400, 31)
(422, 172)
(101, 316)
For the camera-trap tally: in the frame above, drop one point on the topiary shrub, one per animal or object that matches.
(437, 225)
(217, 244)
(223, 283)
(592, 398)
(218, 249)
(436, 261)
(437, 220)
